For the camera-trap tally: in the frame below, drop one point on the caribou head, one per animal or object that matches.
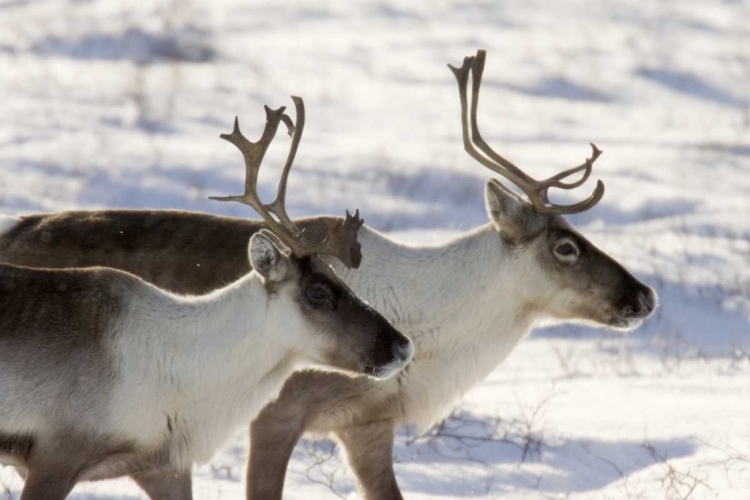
(571, 279)
(351, 335)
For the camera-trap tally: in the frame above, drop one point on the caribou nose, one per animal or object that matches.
(403, 351)
(400, 353)
(647, 300)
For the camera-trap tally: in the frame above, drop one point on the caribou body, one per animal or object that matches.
(103, 374)
(465, 304)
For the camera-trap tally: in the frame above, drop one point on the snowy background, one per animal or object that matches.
(120, 104)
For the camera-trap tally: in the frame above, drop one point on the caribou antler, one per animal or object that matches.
(534, 189)
(339, 240)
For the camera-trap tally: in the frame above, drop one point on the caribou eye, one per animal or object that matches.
(567, 250)
(319, 293)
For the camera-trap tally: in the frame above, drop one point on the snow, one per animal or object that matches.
(120, 104)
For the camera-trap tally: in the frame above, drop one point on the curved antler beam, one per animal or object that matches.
(537, 191)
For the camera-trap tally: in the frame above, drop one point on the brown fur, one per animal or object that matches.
(56, 320)
(174, 250)
(179, 251)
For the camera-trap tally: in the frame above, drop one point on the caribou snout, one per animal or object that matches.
(390, 356)
(636, 304)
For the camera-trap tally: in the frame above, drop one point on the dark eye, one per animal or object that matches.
(318, 293)
(566, 249)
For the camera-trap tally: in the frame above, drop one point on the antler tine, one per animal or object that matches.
(477, 69)
(288, 122)
(277, 206)
(537, 191)
(341, 239)
(556, 181)
(588, 165)
(462, 77)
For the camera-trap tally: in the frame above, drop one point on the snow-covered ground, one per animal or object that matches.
(120, 104)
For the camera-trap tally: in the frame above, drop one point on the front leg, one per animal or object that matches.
(161, 484)
(273, 435)
(319, 402)
(369, 451)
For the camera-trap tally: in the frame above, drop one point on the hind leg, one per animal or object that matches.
(272, 440)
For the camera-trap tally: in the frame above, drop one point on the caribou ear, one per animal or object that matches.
(269, 257)
(515, 218)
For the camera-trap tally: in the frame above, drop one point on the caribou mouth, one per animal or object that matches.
(378, 372)
(385, 371)
(625, 324)
(402, 354)
(369, 370)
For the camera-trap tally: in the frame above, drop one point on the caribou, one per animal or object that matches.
(103, 374)
(465, 304)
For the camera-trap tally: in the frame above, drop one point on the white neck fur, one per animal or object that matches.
(464, 304)
(201, 366)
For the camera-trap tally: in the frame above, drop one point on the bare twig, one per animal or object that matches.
(322, 453)
(678, 484)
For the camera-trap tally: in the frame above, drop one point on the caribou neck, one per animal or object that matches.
(420, 289)
(197, 341)
(202, 365)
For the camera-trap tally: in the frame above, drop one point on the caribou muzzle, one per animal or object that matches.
(391, 352)
(636, 304)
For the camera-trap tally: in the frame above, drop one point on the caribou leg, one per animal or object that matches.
(47, 485)
(273, 435)
(369, 451)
